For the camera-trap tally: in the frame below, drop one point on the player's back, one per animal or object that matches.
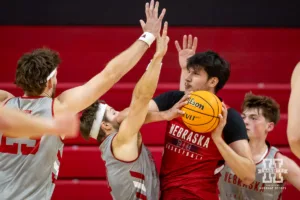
(29, 167)
(130, 180)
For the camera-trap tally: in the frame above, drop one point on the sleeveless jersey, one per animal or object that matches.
(263, 188)
(190, 161)
(29, 167)
(130, 180)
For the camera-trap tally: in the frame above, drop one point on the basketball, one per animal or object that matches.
(201, 112)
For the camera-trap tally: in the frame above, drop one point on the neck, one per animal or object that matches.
(44, 94)
(258, 148)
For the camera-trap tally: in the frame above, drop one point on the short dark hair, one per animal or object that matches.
(87, 119)
(270, 108)
(213, 64)
(33, 69)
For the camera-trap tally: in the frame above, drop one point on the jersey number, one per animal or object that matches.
(14, 147)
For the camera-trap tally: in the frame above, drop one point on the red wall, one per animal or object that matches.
(256, 54)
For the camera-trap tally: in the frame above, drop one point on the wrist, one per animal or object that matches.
(148, 38)
(217, 139)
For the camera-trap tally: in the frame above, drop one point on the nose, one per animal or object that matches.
(246, 120)
(188, 78)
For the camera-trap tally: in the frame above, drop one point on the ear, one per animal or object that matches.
(212, 82)
(49, 84)
(270, 126)
(106, 126)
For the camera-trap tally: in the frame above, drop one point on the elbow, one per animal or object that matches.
(4, 125)
(248, 179)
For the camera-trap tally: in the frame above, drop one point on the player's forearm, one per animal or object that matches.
(125, 61)
(17, 124)
(183, 75)
(147, 85)
(294, 139)
(293, 118)
(243, 167)
(155, 117)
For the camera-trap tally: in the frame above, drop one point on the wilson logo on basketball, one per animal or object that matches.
(192, 102)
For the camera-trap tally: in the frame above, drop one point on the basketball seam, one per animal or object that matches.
(201, 112)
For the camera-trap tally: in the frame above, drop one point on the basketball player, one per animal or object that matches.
(17, 124)
(260, 114)
(29, 167)
(191, 160)
(293, 112)
(131, 172)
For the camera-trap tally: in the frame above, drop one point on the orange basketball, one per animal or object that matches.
(201, 112)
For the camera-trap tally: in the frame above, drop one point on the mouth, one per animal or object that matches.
(187, 86)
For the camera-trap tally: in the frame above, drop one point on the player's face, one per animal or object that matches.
(196, 80)
(256, 124)
(112, 115)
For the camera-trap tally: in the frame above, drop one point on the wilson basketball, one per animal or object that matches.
(201, 112)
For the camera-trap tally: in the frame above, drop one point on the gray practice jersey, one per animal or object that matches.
(130, 180)
(264, 187)
(29, 167)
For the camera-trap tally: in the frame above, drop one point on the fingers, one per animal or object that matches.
(224, 110)
(177, 45)
(190, 42)
(184, 98)
(147, 10)
(180, 112)
(156, 9)
(142, 23)
(162, 14)
(151, 8)
(181, 104)
(184, 42)
(165, 30)
(195, 43)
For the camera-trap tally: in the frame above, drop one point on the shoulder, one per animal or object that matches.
(234, 118)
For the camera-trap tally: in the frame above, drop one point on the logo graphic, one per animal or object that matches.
(272, 171)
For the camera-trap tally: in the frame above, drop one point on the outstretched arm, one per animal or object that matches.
(79, 98)
(142, 94)
(293, 112)
(14, 123)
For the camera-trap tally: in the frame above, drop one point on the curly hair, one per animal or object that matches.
(270, 108)
(87, 119)
(33, 69)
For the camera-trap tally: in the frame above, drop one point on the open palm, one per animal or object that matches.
(189, 46)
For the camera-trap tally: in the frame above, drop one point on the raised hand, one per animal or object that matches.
(153, 22)
(162, 42)
(189, 46)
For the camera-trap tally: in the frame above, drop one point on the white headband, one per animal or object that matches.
(97, 122)
(51, 74)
